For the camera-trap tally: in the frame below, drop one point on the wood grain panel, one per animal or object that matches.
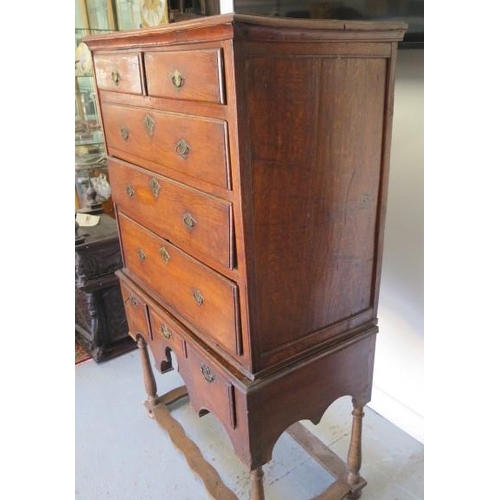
(209, 389)
(118, 72)
(199, 73)
(195, 293)
(321, 137)
(198, 223)
(168, 136)
(135, 310)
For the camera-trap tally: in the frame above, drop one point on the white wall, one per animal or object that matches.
(399, 359)
(226, 6)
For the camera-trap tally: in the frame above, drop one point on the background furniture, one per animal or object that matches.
(248, 161)
(100, 321)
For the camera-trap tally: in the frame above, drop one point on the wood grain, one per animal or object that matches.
(118, 72)
(199, 71)
(206, 139)
(199, 296)
(315, 240)
(163, 205)
(276, 142)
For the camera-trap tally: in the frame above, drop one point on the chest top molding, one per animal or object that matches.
(232, 26)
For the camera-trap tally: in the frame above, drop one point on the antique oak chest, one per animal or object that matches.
(248, 160)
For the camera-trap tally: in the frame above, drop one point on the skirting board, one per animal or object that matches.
(397, 413)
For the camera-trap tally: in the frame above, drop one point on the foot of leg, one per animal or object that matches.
(257, 484)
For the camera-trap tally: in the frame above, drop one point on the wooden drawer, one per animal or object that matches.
(205, 299)
(166, 334)
(197, 222)
(209, 388)
(193, 146)
(135, 310)
(194, 75)
(118, 72)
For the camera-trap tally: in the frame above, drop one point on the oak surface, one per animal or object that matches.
(250, 158)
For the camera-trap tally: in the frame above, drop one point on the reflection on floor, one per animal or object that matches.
(122, 454)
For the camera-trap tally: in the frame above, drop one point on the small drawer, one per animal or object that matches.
(118, 72)
(166, 335)
(203, 298)
(209, 388)
(135, 310)
(198, 223)
(193, 146)
(194, 75)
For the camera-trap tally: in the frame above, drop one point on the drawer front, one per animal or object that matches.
(135, 310)
(165, 334)
(118, 72)
(194, 75)
(205, 299)
(208, 387)
(197, 222)
(193, 146)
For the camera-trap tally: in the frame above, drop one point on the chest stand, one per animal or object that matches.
(348, 483)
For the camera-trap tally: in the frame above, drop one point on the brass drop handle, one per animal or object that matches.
(129, 190)
(141, 254)
(188, 220)
(131, 299)
(165, 331)
(198, 297)
(149, 124)
(182, 148)
(177, 79)
(207, 373)
(165, 256)
(124, 132)
(115, 76)
(155, 187)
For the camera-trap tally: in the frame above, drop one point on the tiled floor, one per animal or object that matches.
(122, 454)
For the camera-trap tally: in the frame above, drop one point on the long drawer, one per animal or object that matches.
(198, 223)
(194, 146)
(206, 300)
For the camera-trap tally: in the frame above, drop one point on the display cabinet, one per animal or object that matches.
(92, 189)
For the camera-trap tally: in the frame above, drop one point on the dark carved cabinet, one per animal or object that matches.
(248, 160)
(100, 320)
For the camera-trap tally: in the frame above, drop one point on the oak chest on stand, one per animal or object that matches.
(248, 160)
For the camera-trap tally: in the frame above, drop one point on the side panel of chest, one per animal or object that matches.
(314, 153)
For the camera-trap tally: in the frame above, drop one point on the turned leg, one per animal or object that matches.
(257, 484)
(354, 453)
(149, 378)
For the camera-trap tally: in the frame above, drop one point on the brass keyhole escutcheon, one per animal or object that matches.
(165, 331)
(155, 187)
(182, 148)
(124, 132)
(177, 79)
(149, 124)
(165, 256)
(198, 297)
(115, 76)
(129, 190)
(207, 373)
(141, 254)
(189, 221)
